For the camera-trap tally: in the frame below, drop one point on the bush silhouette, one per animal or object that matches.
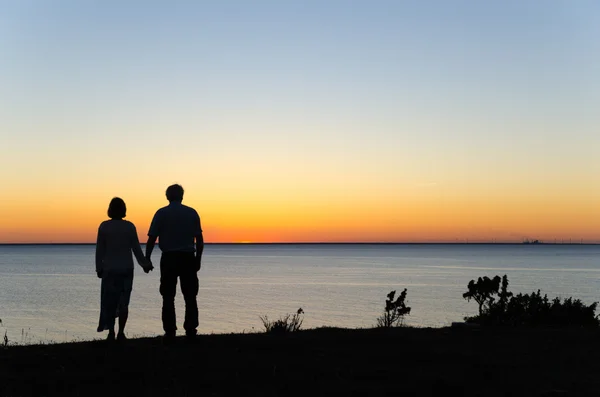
(395, 311)
(286, 324)
(482, 292)
(525, 309)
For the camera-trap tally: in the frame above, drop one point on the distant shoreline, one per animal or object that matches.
(327, 243)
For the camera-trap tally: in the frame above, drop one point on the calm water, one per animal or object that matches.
(51, 293)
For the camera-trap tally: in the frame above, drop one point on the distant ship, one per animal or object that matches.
(527, 241)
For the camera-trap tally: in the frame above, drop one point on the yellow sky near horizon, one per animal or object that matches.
(426, 214)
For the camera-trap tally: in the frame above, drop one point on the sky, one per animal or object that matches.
(314, 120)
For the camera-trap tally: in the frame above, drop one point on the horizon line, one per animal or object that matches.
(343, 243)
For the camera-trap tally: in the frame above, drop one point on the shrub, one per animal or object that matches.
(482, 292)
(395, 311)
(288, 323)
(526, 309)
(5, 339)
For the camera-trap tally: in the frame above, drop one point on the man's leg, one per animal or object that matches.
(189, 289)
(168, 285)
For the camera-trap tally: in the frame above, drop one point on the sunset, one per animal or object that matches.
(299, 198)
(399, 123)
(335, 214)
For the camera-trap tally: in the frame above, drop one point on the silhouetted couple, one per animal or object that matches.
(176, 227)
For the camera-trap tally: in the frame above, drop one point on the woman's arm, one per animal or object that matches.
(100, 251)
(137, 250)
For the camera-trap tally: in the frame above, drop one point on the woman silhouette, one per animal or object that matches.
(117, 238)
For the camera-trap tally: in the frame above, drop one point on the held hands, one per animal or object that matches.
(148, 266)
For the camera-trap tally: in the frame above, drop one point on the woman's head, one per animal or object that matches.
(117, 208)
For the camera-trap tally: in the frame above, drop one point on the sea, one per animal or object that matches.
(50, 293)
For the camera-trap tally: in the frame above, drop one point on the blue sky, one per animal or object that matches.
(462, 95)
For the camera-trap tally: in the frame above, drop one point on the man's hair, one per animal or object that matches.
(175, 193)
(117, 208)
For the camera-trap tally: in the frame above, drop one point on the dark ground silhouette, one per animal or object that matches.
(404, 361)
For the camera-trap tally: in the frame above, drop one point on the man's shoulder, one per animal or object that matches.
(188, 208)
(161, 210)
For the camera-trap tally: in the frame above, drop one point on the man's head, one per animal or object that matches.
(174, 193)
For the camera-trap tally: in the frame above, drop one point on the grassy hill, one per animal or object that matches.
(321, 362)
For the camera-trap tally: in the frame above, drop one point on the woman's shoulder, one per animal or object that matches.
(116, 224)
(128, 224)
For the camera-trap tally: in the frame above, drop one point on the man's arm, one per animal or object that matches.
(150, 246)
(199, 244)
(153, 233)
(199, 249)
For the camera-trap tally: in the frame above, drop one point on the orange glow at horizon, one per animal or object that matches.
(363, 219)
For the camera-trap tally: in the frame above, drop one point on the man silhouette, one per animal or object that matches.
(176, 226)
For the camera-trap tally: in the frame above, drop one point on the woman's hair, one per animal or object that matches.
(117, 208)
